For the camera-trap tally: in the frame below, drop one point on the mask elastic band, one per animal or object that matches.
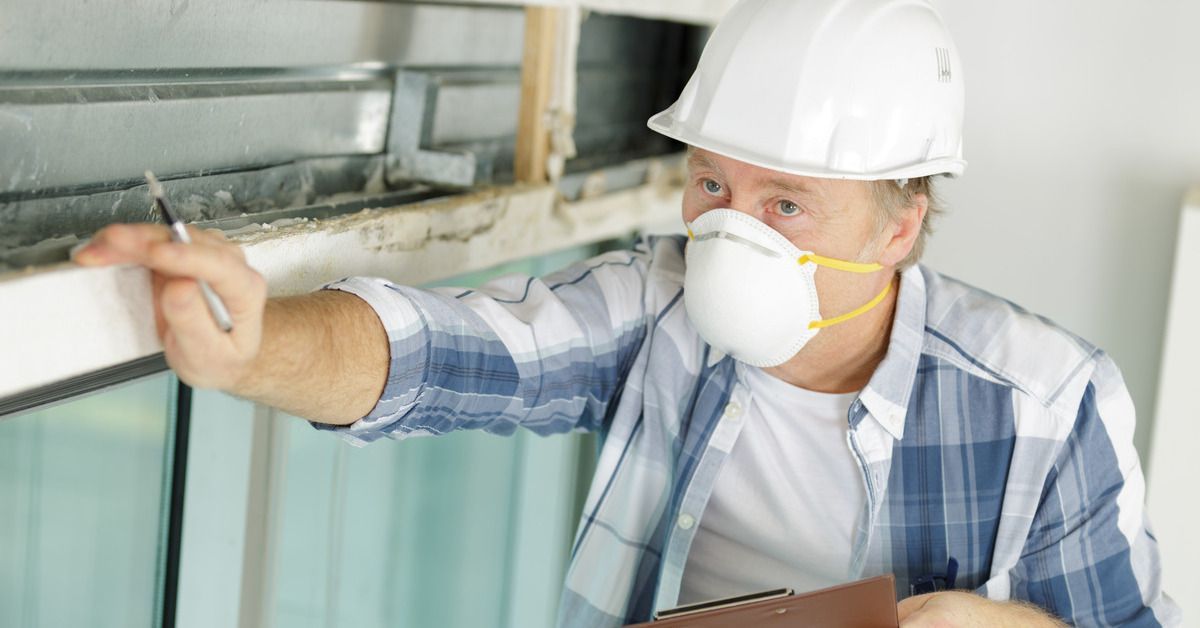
(837, 264)
(860, 311)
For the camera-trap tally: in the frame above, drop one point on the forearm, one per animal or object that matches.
(324, 357)
(1018, 614)
(963, 609)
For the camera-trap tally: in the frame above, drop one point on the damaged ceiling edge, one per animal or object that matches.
(103, 317)
(414, 247)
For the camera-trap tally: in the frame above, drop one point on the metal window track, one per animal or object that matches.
(87, 384)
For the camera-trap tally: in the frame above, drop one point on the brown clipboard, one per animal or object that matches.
(869, 603)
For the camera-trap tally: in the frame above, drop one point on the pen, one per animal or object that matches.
(179, 234)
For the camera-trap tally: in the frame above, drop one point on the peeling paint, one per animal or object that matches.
(430, 239)
(443, 238)
(211, 197)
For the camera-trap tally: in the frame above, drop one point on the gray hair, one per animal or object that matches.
(892, 199)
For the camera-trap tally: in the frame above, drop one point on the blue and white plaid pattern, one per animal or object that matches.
(987, 434)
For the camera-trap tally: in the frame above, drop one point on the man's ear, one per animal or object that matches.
(903, 233)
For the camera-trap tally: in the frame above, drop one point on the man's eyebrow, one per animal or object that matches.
(697, 159)
(792, 187)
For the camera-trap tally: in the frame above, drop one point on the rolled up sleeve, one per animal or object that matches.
(1090, 557)
(546, 354)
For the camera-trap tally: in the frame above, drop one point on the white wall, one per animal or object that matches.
(1176, 429)
(1082, 135)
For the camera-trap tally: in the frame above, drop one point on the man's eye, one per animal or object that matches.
(788, 208)
(712, 187)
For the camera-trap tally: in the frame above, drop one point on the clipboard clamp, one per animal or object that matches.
(936, 582)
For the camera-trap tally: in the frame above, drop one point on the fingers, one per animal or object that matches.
(196, 348)
(187, 318)
(121, 244)
(157, 283)
(210, 257)
(131, 243)
(222, 267)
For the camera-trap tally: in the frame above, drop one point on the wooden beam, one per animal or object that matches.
(537, 67)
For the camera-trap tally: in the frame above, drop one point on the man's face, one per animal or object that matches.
(830, 217)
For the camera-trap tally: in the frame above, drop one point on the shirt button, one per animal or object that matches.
(686, 521)
(733, 410)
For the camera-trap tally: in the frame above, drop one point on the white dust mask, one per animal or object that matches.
(750, 292)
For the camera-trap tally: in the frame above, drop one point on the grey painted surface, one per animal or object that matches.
(185, 88)
(64, 145)
(182, 34)
(232, 86)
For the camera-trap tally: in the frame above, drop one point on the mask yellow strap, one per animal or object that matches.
(860, 311)
(837, 264)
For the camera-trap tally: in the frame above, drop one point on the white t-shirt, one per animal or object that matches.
(784, 508)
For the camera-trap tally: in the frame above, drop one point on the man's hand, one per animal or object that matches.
(202, 354)
(322, 356)
(959, 609)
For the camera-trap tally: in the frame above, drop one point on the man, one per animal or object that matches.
(787, 399)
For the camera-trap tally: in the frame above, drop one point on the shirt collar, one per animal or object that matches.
(887, 393)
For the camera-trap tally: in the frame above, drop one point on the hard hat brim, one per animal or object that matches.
(666, 124)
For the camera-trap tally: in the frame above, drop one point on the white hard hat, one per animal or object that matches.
(848, 89)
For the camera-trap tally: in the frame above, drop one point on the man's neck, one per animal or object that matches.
(842, 359)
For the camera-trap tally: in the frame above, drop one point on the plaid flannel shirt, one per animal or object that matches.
(987, 434)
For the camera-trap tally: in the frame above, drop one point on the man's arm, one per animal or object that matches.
(960, 609)
(1089, 557)
(547, 354)
(322, 356)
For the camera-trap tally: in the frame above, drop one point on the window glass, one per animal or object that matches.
(83, 500)
(467, 529)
